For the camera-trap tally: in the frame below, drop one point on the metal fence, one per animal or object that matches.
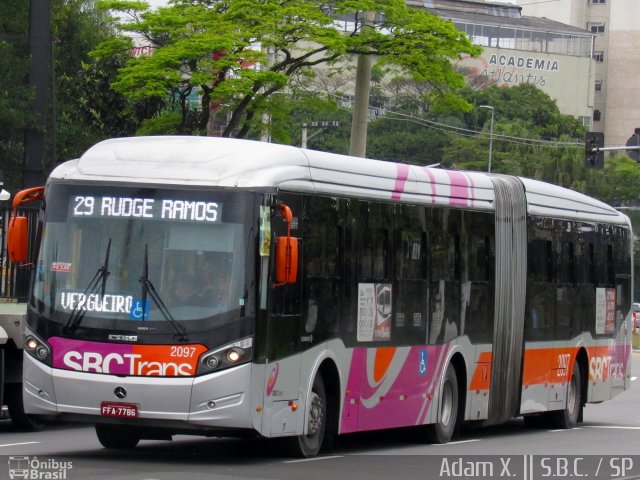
(15, 279)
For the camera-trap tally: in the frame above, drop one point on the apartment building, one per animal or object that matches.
(616, 53)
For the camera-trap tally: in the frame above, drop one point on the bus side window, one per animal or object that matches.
(410, 286)
(445, 282)
(541, 287)
(321, 268)
(479, 311)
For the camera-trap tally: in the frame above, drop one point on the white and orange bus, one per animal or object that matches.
(227, 287)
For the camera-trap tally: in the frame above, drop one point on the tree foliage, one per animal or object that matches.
(237, 53)
(15, 97)
(523, 143)
(87, 109)
(83, 109)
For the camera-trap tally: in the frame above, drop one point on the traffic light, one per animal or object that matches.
(634, 141)
(594, 159)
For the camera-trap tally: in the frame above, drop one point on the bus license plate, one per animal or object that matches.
(120, 410)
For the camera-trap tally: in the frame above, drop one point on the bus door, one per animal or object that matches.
(282, 372)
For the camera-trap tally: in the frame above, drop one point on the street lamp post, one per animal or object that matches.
(489, 107)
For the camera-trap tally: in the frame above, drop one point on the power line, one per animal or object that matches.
(452, 129)
(508, 138)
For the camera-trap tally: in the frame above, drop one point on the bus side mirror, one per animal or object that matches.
(286, 260)
(18, 239)
(18, 232)
(286, 268)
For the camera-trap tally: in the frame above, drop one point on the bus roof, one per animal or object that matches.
(214, 161)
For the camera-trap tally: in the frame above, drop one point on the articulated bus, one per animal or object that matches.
(223, 287)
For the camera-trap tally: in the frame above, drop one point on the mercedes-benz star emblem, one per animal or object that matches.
(120, 392)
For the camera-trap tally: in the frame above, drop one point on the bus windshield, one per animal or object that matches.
(141, 258)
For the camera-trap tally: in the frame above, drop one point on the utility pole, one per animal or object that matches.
(359, 122)
(265, 135)
(489, 107)
(40, 52)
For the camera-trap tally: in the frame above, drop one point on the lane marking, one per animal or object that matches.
(16, 444)
(313, 459)
(633, 379)
(454, 443)
(613, 427)
(564, 429)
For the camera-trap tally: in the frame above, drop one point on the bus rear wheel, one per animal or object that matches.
(115, 437)
(442, 431)
(568, 417)
(309, 445)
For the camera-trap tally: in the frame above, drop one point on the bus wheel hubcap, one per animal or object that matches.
(447, 407)
(571, 395)
(315, 414)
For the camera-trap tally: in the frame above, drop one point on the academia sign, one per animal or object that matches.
(566, 79)
(530, 63)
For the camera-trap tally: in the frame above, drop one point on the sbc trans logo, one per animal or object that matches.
(35, 469)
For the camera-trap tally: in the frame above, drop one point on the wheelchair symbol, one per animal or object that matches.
(423, 362)
(138, 312)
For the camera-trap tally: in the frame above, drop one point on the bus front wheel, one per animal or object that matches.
(115, 437)
(442, 431)
(20, 420)
(309, 445)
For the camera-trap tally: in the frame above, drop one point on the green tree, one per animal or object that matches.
(15, 96)
(527, 103)
(531, 137)
(87, 109)
(617, 184)
(210, 46)
(83, 109)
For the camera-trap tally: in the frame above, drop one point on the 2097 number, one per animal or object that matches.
(183, 352)
(563, 364)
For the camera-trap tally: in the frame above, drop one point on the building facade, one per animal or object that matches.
(617, 37)
(554, 56)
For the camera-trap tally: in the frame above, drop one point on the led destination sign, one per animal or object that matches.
(145, 208)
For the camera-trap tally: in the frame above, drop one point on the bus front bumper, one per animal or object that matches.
(217, 400)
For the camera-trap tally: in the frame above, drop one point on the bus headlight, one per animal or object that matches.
(230, 355)
(234, 355)
(37, 348)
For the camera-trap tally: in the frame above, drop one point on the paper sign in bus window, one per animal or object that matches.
(605, 310)
(374, 312)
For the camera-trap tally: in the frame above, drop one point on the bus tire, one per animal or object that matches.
(116, 438)
(442, 431)
(568, 416)
(309, 445)
(15, 405)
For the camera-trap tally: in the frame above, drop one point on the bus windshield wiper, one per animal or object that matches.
(150, 290)
(77, 314)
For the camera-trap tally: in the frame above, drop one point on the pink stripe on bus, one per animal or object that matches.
(461, 193)
(401, 180)
(432, 177)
